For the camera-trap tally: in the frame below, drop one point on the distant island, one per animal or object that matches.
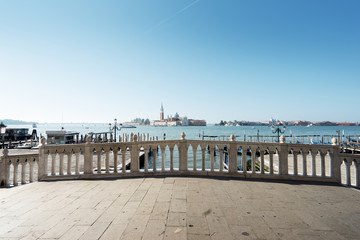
(285, 123)
(16, 122)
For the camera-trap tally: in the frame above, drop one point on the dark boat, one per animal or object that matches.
(16, 134)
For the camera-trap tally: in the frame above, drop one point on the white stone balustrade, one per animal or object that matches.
(281, 161)
(11, 165)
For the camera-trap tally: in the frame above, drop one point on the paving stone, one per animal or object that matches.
(176, 220)
(160, 210)
(175, 233)
(155, 229)
(178, 205)
(197, 225)
(74, 232)
(114, 231)
(135, 229)
(95, 231)
(198, 237)
(217, 224)
(244, 232)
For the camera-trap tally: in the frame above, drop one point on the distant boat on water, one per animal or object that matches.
(128, 126)
(34, 125)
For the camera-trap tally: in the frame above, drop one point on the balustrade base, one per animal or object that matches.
(205, 174)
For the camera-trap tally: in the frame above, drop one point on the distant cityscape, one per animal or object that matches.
(285, 123)
(175, 120)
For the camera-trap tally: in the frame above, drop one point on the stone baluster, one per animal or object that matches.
(107, 161)
(61, 170)
(203, 166)
(98, 153)
(69, 155)
(154, 157)
(304, 155)
(271, 162)
(221, 159)
(313, 163)
(194, 159)
(295, 155)
(162, 147)
(253, 161)
(212, 158)
(15, 178)
(262, 162)
(348, 175)
(115, 153)
(23, 171)
(31, 163)
(171, 148)
(243, 159)
(232, 154)
(322, 155)
(146, 159)
(53, 163)
(77, 167)
(123, 159)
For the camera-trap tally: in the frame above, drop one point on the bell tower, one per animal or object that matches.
(162, 113)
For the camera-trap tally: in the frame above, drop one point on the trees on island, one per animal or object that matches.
(141, 121)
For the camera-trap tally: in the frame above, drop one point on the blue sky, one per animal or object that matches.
(92, 61)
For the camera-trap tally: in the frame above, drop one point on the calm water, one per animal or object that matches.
(194, 132)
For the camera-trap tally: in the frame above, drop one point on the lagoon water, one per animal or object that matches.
(195, 132)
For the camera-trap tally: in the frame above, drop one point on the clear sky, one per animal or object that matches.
(92, 61)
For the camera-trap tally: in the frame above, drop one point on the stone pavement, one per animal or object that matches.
(178, 208)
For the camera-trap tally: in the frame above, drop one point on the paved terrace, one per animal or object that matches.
(179, 208)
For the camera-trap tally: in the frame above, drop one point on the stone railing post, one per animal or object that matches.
(335, 160)
(134, 152)
(88, 157)
(283, 158)
(183, 154)
(42, 169)
(357, 172)
(3, 174)
(232, 154)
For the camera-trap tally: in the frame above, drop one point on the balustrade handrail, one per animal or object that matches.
(237, 159)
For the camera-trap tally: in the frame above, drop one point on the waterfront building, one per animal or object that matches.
(176, 120)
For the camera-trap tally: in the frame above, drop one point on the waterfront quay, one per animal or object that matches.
(179, 208)
(280, 191)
